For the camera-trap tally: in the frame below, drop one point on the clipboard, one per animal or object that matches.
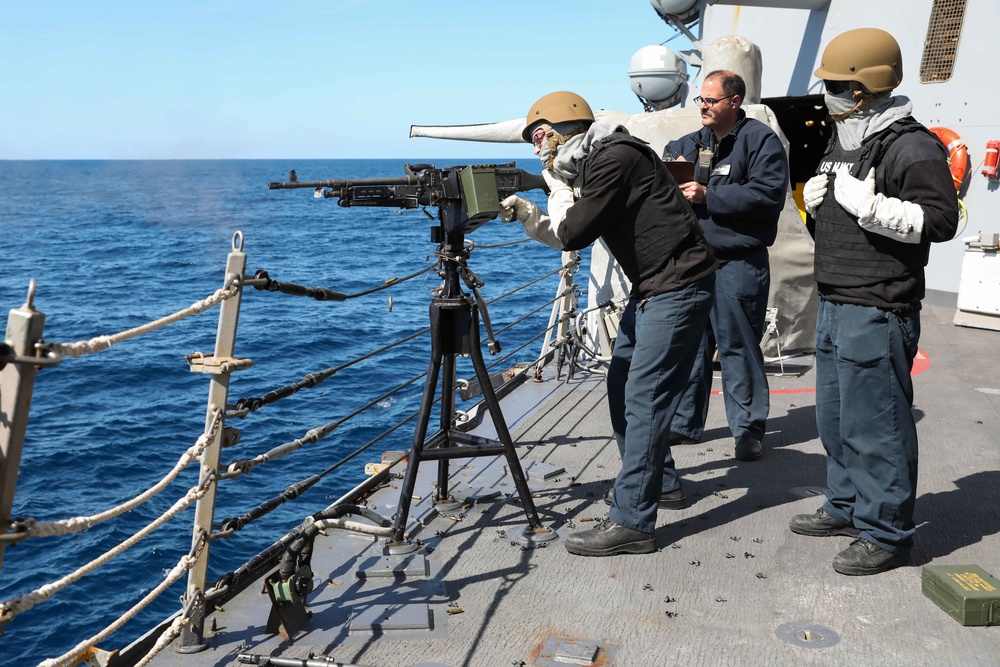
(682, 171)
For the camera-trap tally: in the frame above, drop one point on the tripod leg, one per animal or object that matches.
(447, 414)
(513, 463)
(413, 459)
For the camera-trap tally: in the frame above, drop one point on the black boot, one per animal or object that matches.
(674, 500)
(748, 448)
(608, 539)
(863, 557)
(820, 524)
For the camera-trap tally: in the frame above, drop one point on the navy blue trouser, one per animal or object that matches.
(864, 396)
(654, 351)
(736, 327)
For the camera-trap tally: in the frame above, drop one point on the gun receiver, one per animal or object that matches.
(467, 196)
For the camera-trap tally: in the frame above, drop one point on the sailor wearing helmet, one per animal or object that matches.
(607, 184)
(882, 194)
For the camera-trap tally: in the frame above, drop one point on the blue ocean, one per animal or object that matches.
(116, 244)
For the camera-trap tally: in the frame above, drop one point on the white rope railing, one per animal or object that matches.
(26, 528)
(23, 529)
(72, 657)
(168, 636)
(101, 343)
(10, 608)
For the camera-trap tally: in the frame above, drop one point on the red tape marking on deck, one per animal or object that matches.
(920, 364)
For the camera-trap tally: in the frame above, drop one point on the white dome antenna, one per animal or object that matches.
(684, 11)
(659, 77)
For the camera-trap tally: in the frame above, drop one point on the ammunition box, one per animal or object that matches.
(479, 187)
(968, 593)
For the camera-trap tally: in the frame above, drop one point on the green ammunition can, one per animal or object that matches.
(479, 188)
(968, 593)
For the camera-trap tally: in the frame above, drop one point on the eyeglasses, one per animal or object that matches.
(837, 87)
(537, 137)
(710, 101)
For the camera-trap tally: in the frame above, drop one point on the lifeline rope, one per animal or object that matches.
(528, 284)
(22, 529)
(566, 318)
(263, 281)
(10, 608)
(101, 343)
(245, 406)
(178, 571)
(542, 307)
(312, 436)
(235, 578)
(167, 638)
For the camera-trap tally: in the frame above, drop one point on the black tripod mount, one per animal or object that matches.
(454, 329)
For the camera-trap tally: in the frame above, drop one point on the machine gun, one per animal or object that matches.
(467, 196)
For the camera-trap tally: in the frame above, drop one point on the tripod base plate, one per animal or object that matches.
(401, 548)
(528, 536)
(449, 504)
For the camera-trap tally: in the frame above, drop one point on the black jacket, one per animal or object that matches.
(628, 199)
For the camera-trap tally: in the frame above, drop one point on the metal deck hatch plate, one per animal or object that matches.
(382, 618)
(562, 651)
(412, 565)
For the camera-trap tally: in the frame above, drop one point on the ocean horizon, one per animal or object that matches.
(114, 244)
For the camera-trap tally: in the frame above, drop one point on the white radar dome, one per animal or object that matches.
(659, 76)
(685, 10)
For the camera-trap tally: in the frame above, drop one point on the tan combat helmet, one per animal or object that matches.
(555, 108)
(867, 55)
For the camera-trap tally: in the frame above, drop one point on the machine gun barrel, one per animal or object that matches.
(338, 183)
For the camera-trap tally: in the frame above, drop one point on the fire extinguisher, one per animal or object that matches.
(992, 157)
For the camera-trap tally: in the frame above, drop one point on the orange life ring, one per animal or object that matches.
(958, 154)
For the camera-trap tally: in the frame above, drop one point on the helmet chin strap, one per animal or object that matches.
(862, 100)
(556, 140)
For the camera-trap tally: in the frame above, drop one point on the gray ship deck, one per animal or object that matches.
(729, 585)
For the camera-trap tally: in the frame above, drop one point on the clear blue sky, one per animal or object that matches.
(333, 79)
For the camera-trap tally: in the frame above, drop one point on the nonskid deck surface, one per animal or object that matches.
(729, 585)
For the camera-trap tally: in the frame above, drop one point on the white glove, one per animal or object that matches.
(814, 191)
(887, 216)
(515, 208)
(856, 197)
(538, 225)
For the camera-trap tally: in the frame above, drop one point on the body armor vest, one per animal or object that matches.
(847, 255)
